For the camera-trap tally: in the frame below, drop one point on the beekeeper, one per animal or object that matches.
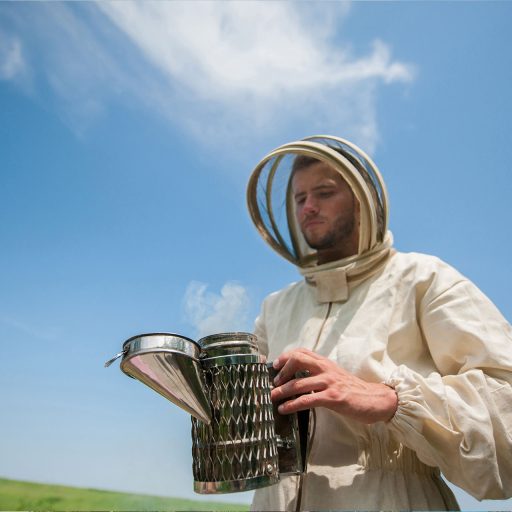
(408, 365)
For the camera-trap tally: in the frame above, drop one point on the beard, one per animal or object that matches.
(341, 231)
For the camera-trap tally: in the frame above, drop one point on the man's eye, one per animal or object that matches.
(300, 200)
(325, 194)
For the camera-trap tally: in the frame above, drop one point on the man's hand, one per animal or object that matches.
(329, 386)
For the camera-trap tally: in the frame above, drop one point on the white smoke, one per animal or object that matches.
(211, 313)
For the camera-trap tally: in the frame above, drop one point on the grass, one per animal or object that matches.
(17, 495)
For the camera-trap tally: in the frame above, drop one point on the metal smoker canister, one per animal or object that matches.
(237, 450)
(240, 441)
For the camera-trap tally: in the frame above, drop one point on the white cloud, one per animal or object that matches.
(231, 73)
(12, 62)
(212, 313)
(256, 49)
(254, 66)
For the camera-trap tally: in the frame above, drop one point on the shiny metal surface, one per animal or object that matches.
(110, 361)
(237, 451)
(223, 382)
(291, 435)
(232, 359)
(229, 344)
(169, 364)
(248, 484)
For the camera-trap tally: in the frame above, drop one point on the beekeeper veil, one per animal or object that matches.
(272, 209)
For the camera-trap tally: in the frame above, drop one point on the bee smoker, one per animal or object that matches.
(239, 440)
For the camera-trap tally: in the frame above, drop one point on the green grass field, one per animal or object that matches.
(16, 495)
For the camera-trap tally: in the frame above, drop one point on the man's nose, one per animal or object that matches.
(310, 206)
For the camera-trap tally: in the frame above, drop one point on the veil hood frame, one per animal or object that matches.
(356, 168)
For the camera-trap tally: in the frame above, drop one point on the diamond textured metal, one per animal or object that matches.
(235, 451)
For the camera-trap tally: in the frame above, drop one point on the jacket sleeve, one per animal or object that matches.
(460, 418)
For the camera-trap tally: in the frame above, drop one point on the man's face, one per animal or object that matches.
(326, 210)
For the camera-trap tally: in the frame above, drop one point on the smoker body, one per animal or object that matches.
(237, 450)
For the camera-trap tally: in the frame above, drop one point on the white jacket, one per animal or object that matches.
(421, 327)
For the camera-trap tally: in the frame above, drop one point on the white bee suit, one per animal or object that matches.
(416, 324)
(431, 334)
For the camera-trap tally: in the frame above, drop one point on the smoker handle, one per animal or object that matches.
(117, 356)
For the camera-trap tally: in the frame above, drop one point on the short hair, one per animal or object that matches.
(301, 162)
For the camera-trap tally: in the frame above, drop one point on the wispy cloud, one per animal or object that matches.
(211, 313)
(73, 59)
(12, 63)
(247, 49)
(260, 66)
(219, 69)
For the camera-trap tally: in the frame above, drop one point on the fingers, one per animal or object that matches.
(297, 353)
(301, 403)
(297, 387)
(290, 363)
(293, 366)
(329, 386)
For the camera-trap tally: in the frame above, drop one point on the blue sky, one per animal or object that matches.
(127, 135)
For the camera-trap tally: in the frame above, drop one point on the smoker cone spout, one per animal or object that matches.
(168, 364)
